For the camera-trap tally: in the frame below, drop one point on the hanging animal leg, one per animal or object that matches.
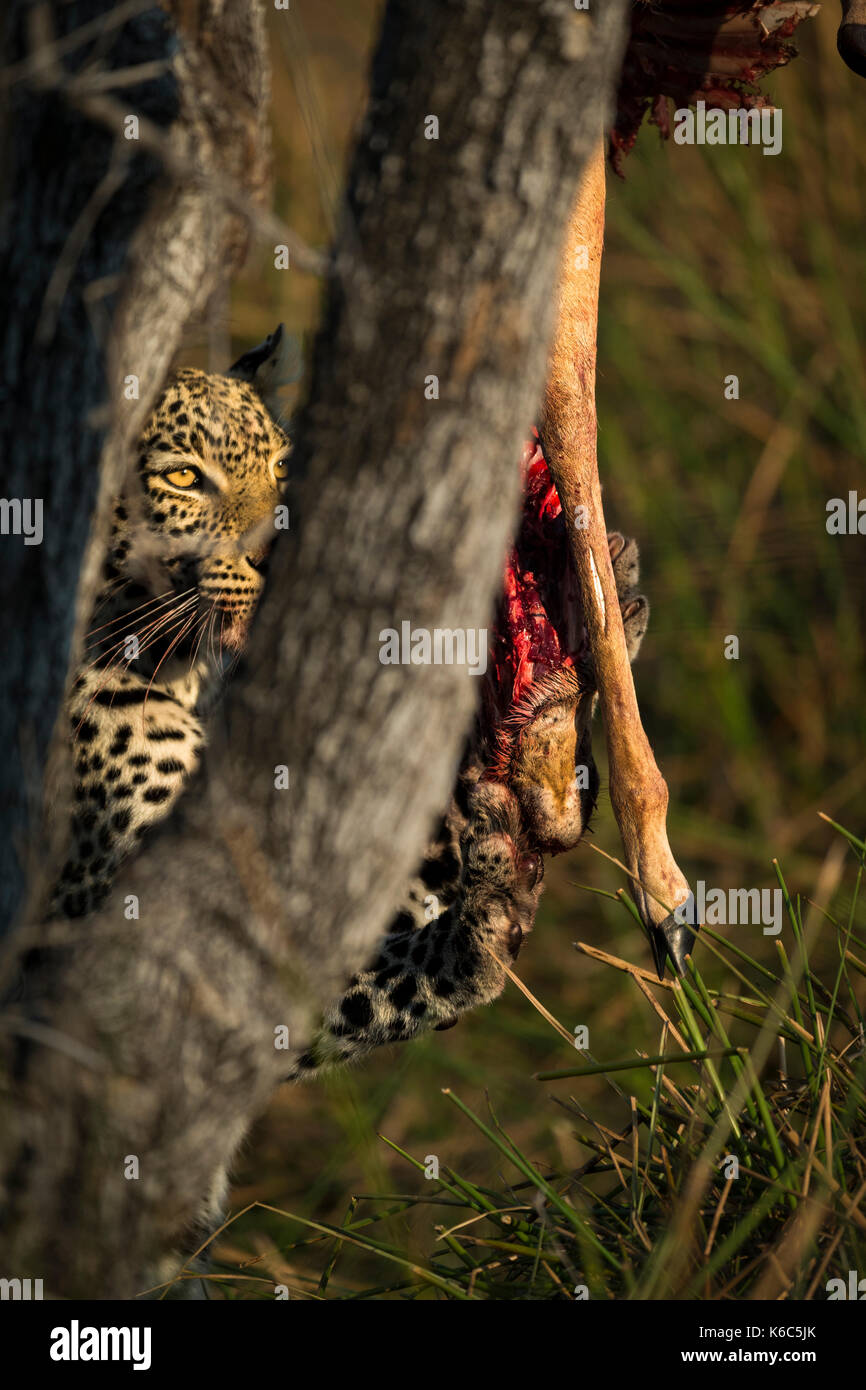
(637, 788)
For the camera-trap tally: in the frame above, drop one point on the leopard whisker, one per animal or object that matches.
(159, 601)
(150, 628)
(205, 619)
(213, 654)
(159, 629)
(109, 592)
(151, 625)
(166, 624)
(190, 622)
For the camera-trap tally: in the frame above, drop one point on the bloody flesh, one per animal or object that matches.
(716, 50)
(539, 629)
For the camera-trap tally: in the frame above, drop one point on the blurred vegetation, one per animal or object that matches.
(718, 261)
(732, 1174)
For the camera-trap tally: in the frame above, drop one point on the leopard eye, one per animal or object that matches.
(281, 470)
(183, 477)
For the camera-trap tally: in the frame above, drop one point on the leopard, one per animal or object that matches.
(186, 564)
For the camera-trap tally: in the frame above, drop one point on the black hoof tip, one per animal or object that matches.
(851, 43)
(671, 941)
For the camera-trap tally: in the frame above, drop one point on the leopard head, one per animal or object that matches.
(200, 515)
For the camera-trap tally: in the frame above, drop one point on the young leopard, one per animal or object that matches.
(183, 575)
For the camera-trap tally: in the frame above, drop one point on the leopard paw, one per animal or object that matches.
(503, 874)
(625, 558)
(635, 617)
(634, 607)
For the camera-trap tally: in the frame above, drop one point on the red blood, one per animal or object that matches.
(539, 622)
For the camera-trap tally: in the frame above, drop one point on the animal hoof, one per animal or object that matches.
(671, 940)
(851, 43)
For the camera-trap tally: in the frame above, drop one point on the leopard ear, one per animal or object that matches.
(273, 365)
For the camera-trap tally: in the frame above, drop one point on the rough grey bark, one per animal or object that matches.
(109, 247)
(256, 903)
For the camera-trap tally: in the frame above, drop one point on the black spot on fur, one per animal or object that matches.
(357, 1009)
(156, 794)
(116, 699)
(385, 975)
(443, 870)
(170, 765)
(403, 994)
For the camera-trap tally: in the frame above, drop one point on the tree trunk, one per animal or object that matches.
(255, 903)
(110, 246)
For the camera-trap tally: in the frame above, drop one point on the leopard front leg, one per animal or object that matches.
(425, 978)
(135, 746)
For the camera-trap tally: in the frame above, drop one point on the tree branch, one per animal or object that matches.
(140, 254)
